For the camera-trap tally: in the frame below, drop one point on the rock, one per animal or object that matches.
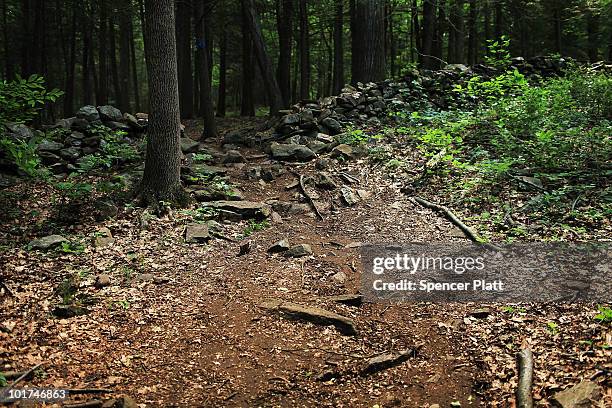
(345, 152)
(122, 402)
(145, 277)
(332, 125)
(276, 218)
(387, 360)
(47, 242)
(349, 300)
(246, 209)
(481, 313)
(118, 126)
(280, 246)
(339, 277)
(314, 315)
(80, 124)
(88, 113)
(349, 196)
(68, 311)
(582, 395)
(325, 181)
(204, 169)
(49, 146)
(289, 120)
(322, 164)
(109, 113)
(298, 251)
(233, 156)
(102, 281)
(105, 209)
(291, 152)
(49, 158)
(197, 233)
(241, 137)
(132, 121)
(189, 145)
(325, 138)
(460, 68)
(70, 153)
(214, 227)
(318, 147)
(20, 130)
(209, 194)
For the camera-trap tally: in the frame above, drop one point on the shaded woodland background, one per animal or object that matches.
(94, 50)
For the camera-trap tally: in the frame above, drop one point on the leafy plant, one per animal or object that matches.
(72, 247)
(74, 190)
(255, 226)
(552, 327)
(3, 381)
(22, 98)
(604, 315)
(23, 154)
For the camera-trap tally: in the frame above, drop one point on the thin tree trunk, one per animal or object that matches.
(415, 37)
(304, 51)
(472, 33)
(184, 12)
(161, 179)
(429, 29)
(8, 56)
(592, 35)
(338, 48)
(85, 68)
(206, 104)
(70, 72)
(222, 74)
(486, 10)
(247, 106)
(557, 28)
(113, 61)
(124, 58)
(499, 20)
(284, 22)
(135, 83)
(265, 65)
(102, 94)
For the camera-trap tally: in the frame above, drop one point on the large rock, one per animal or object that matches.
(197, 233)
(291, 152)
(246, 209)
(582, 395)
(239, 137)
(48, 242)
(49, 146)
(109, 113)
(89, 113)
(21, 131)
(70, 153)
(332, 125)
(345, 152)
(298, 251)
(189, 145)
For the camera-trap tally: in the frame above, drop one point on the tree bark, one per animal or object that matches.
(222, 74)
(161, 179)
(70, 71)
(369, 16)
(113, 61)
(428, 32)
(183, 44)
(304, 51)
(338, 48)
(135, 82)
(472, 34)
(247, 105)
(102, 94)
(284, 22)
(125, 15)
(499, 20)
(206, 102)
(85, 67)
(592, 24)
(265, 65)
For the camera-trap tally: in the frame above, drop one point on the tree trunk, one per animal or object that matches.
(265, 65)
(70, 72)
(284, 22)
(247, 106)
(134, 69)
(472, 34)
(557, 28)
(124, 58)
(161, 179)
(592, 35)
(486, 10)
(183, 45)
(415, 28)
(499, 20)
(206, 102)
(369, 18)
(429, 29)
(85, 67)
(102, 94)
(338, 48)
(356, 45)
(222, 74)
(457, 44)
(113, 62)
(304, 51)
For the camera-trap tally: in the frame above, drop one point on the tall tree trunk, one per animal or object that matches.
(124, 58)
(304, 51)
(592, 35)
(184, 11)
(135, 83)
(70, 71)
(247, 105)
(113, 61)
(206, 101)
(415, 28)
(161, 179)
(486, 10)
(222, 74)
(429, 29)
(499, 20)
(458, 30)
(440, 30)
(369, 18)
(557, 27)
(472, 34)
(265, 65)
(356, 45)
(392, 42)
(284, 22)
(338, 48)
(102, 94)
(9, 70)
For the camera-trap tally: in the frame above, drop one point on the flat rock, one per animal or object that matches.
(233, 156)
(291, 152)
(345, 152)
(280, 246)
(47, 242)
(314, 315)
(349, 300)
(197, 233)
(246, 209)
(49, 146)
(386, 360)
(349, 197)
(298, 251)
(581, 395)
(189, 145)
(89, 113)
(110, 113)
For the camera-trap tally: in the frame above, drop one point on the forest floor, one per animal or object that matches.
(186, 324)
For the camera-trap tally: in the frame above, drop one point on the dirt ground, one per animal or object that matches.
(182, 325)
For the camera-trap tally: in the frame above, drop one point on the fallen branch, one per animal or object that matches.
(524, 399)
(20, 378)
(309, 197)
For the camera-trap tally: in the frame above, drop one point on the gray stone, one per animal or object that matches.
(292, 119)
(48, 157)
(105, 209)
(197, 233)
(70, 153)
(233, 156)
(132, 121)
(118, 126)
(317, 146)
(20, 130)
(332, 125)
(349, 196)
(325, 138)
(49, 146)
(109, 113)
(345, 151)
(291, 152)
(89, 113)
(246, 209)
(386, 360)
(189, 145)
(339, 277)
(47, 242)
(581, 395)
(325, 180)
(239, 137)
(280, 246)
(80, 124)
(297, 251)
(322, 164)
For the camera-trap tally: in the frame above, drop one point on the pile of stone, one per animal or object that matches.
(80, 136)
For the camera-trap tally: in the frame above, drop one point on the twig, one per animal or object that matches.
(309, 197)
(21, 377)
(524, 399)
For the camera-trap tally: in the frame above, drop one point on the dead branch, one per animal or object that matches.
(524, 399)
(309, 197)
(21, 377)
